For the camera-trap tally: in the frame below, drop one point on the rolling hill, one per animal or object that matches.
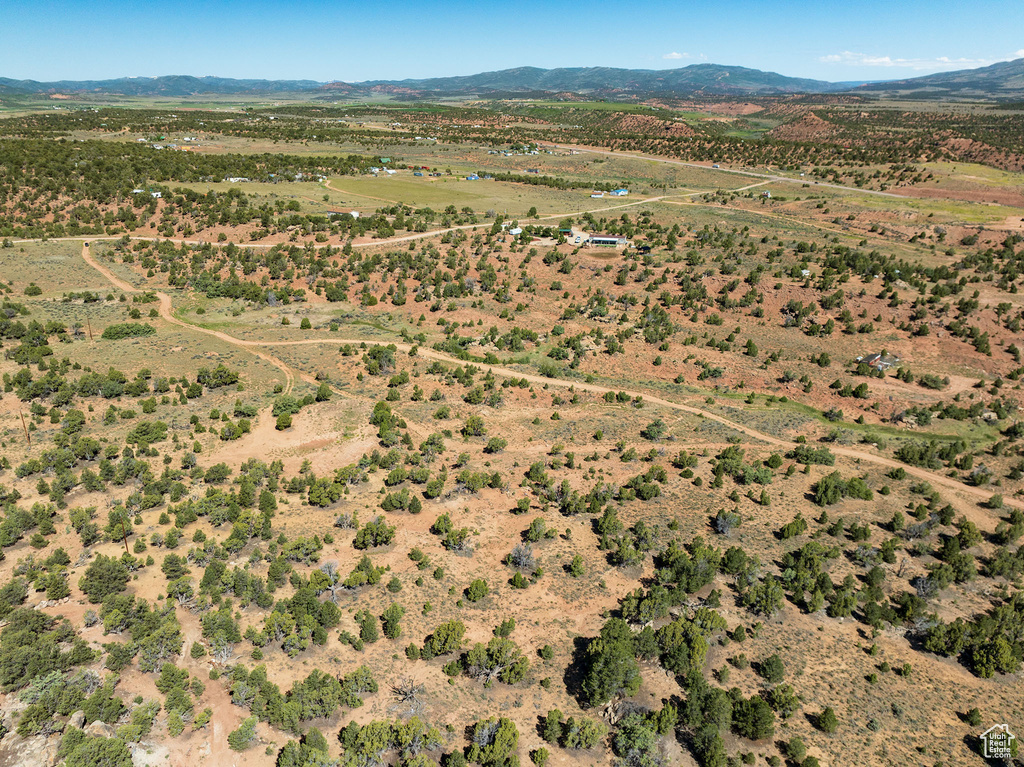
(697, 78)
(1003, 81)
(169, 85)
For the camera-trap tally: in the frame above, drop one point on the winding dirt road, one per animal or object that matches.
(290, 373)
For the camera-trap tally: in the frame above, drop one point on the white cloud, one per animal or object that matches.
(688, 56)
(849, 58)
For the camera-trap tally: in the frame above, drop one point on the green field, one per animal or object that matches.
(939, 211)
(751, 127)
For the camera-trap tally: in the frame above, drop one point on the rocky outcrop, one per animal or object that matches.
(808, 127)
(34, 751)
(100, 729)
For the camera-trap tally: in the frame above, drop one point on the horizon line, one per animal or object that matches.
(479, 72)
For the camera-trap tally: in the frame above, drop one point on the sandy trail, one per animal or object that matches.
(290, 373)
(212, 746)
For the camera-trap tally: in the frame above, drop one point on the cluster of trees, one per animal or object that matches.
(832, 488)
(609, 669)
(33, 645)
(56, 188)
(987, 644)
(318, 695)
(127, 330)
(575, 733)
(60, 390)
(373, 742)
(154, 633)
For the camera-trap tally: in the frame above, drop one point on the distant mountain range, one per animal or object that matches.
(169, 85)
(697, 78)
(1004, 81)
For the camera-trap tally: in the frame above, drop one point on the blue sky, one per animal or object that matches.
(872, 40)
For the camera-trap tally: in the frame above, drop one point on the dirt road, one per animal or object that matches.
(371, 244)
(462, 227)
(752, 174)
(168, 314)
(290, 374)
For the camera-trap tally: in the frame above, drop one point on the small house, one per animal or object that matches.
(608, 240)
(597, 195)
(619, 192)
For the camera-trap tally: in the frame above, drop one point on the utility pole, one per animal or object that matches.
(28, 438)
(88, 324)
